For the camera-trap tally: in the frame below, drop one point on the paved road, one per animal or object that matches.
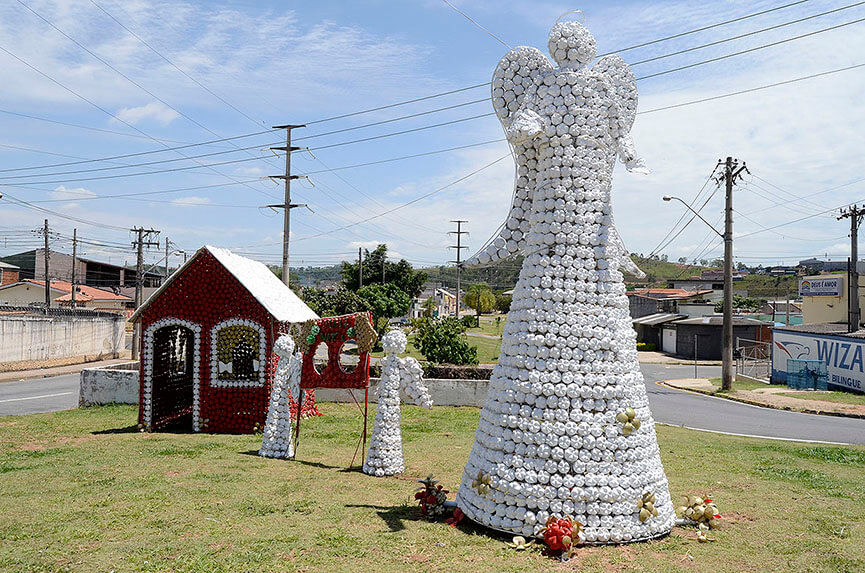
(682, 408)
(39, 395)
(669, 406)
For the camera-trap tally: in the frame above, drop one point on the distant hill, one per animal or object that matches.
(659, 273)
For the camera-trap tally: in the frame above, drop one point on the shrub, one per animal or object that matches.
(647, 346)
(441, 341)
(470, 321)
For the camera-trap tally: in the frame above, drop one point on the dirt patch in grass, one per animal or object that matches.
(189, 502)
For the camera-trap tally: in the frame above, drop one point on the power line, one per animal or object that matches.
(740, 36)
(172, 64)
(475, 86)
(696, 198)
(749, 50)
(473, 21)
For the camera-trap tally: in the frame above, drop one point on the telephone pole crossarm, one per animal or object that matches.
(458, 247)
(287, 205)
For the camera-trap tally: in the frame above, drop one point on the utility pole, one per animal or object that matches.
(287, 205)
(732, 170)
(459, 247)
(359, 268)
(47, 254)
(144, 239)
(854, 213)
(166, 260)
(787, 321)
(383, 262)
(74, 262)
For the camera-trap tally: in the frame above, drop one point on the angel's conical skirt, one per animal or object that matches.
(548, 436)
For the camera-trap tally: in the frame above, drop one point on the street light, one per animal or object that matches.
(727, 329)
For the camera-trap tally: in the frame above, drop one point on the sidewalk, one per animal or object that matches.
(655, 357)
(773, 396)
(17, 375)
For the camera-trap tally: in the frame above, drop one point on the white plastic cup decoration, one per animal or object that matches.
(278, 440)
(567, 382)
(384, 457)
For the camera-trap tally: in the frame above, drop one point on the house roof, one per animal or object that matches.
(8, 266)
(668, 293)
(264, 286)
(718, 320)
(85, 293)
(658, 318)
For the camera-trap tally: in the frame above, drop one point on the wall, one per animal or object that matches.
(37, 341)
(820, 309)
(844, 357)
(8, 276)
(708, 339)
(640, 306)
(115, 384)
(443, 392)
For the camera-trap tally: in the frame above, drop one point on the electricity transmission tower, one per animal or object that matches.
(144, 238)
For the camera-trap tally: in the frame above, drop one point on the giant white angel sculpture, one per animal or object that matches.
(566, 429)
(384, 457)
(277, 441)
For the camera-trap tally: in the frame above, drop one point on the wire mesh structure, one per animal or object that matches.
(754, 359)
(807, 374)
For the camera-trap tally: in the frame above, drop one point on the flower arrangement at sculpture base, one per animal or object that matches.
(431, 497)
(701, 512)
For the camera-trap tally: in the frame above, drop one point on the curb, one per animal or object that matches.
(764, 405)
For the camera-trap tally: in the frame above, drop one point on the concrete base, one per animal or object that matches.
(116, 384)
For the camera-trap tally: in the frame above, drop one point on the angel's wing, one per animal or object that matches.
(624, 85)
(621, 79)
(515, 80)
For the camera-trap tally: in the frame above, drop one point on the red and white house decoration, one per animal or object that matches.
(209, 330)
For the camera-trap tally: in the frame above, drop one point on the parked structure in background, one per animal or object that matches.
(32, 292)
(8, 274)
(678, 337)
(643, 302)
(31, 265)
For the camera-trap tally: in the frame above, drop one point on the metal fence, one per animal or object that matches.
(753, 359)
(40, 310)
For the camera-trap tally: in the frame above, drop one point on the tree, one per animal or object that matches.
(385, 301)
(503, 302)
(742, 303)
(429, 307)
(441, 340)
(682, 260)
(480, 297)
(400, 273)
(341, 302)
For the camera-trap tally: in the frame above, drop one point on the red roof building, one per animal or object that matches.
(29, 291)
(207, 340)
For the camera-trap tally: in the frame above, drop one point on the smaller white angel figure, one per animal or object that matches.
(384, 457)
(278, 440)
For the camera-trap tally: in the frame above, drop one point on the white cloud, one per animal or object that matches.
(191, 201)
(62, 192)
(156, 111)
(250, 171)
(364, 244)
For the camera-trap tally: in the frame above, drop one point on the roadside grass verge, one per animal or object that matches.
(836, 396)
(83, 490)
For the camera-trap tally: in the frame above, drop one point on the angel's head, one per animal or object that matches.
(571, 45)
(284, 346)
(394, 341)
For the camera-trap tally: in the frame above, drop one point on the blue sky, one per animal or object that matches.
(280, 62)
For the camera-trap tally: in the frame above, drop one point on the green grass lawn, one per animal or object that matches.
(741, 384)
(830, 396)
(82, 490)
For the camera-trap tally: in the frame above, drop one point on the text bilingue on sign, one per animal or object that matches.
(830, 286)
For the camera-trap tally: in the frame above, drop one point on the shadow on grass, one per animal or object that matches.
(127, 430)
(393, 516)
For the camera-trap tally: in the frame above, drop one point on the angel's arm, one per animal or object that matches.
(414, 383)
(628, 155)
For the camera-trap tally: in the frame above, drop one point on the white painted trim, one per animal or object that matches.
(146, 397)
(214, 355)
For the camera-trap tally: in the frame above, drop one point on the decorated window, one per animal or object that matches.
(238, 354)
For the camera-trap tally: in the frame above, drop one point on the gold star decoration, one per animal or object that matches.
(646, 506)
(628, 419)
(482, 483)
